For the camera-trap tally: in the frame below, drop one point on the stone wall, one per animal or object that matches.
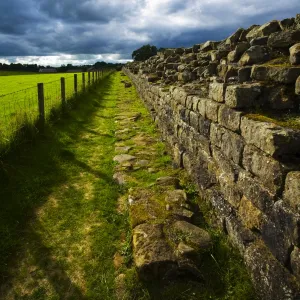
(248, 170)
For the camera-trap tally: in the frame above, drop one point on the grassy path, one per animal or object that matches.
(58, 223)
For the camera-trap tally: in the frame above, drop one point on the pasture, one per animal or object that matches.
(19, 98)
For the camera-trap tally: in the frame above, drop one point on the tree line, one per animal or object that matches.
(63, 68)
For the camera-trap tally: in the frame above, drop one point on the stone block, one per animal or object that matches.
(243, 95)
(263, 30)
(230, 191)
(278, 97)
(234, 38)
(270, 138)
(204, 126)
(179, 95)
(202, 106)
(244, 74)
(229, 142)
(229, 118)
(266, 168)
(295, 261)
(225, 167)
(152, 254)
(272, 280)
(235, 55)
(211, 110)
(194, 120)
(261, 41)
(217, 91)
(292, 190)
(209, 45)
(251, 216)
(280, 231)
(275, 73)
(254, 55)
(297, 86)
(284, 39)
(255, 192)
(295, 54)
(239, 236)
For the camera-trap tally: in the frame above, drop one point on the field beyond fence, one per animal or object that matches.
(32, 107)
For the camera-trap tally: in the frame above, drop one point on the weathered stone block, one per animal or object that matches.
(179, 95)
(152, 254)
(194, 120)
(209, 45)
(204, 126)
(239, 236)
(297, 86)
(295, 261)
(187, 58)
(192, 235)
(234, 56)
(225, 167)
(286, 24)
(263, 30)
(280, 232)
(261, 41)
(229, 142)
(244, 95)
(254, 55)
(229, 118)
(217, 91)
(292, 190)
(278, 97)
(277, 74)
(202, 106)
(251, 216)
(274, 140)
(244, 74)
(284, 39)
(265, 167)
(211, 110)
(295, 54)
(234, 38)
(272, 280)
(230, 191)
(255, 192)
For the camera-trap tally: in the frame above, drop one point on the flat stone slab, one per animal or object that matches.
(168, 181)
(122, 158)
(123, 150)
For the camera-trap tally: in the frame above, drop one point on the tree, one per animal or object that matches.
(144, 52)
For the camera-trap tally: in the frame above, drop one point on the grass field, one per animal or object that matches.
(15, 81)
(19, 99)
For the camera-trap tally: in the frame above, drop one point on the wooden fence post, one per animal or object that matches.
(75, 84)
(63, 92)
(83, 82)
(93, 77)
(89, 78)
(41, 100)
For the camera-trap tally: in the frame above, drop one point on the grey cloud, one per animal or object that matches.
(91, 27)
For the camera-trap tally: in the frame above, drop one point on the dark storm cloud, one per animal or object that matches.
(93, 27)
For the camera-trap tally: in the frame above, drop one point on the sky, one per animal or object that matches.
(55, 32)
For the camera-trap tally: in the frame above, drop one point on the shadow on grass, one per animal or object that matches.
(28, 174)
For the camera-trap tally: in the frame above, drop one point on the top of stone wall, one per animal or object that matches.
(254, 67)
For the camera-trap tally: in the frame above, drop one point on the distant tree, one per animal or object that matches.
(144, 52)
(161, 49)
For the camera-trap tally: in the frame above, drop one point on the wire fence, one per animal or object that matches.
(32, 107)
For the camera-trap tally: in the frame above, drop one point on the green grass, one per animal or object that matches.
(59, 228)
(19, 100)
